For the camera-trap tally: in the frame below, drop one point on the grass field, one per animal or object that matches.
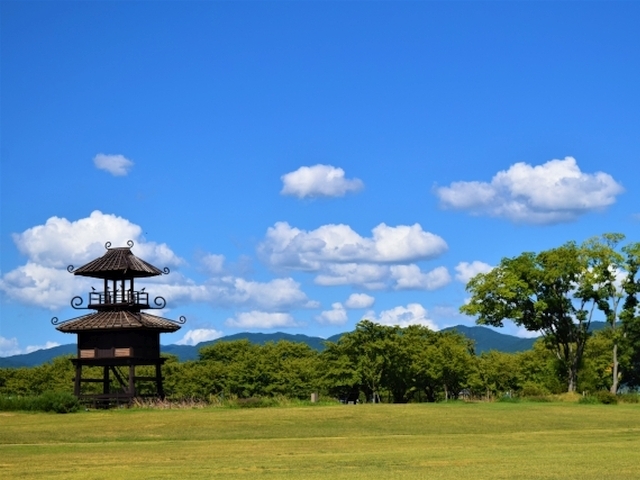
(435, 441)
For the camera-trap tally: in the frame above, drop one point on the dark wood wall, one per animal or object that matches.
(145, 343)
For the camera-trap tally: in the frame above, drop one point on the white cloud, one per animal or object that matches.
(256, 319)
(318, 181)
(198, 335)
(292, 248)
(466, 271)
(410, 277)
(45, 287)
(229, 291)
(10, 347)
(373, 277)
(116, 165)
(60, 242)
(412, 314)
(524, 333)
(359, 300)
(46, 346)
(557, 191)
(213, 264)
(336, 316)
(44, 281)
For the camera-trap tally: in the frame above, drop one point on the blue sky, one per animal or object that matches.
(302, 165)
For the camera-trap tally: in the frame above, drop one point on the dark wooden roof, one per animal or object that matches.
(118, 263)
(117, 320)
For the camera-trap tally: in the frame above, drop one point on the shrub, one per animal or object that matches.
(629, 398)
(588, 400)
(58, 402)
(530, 389)
(606, 397)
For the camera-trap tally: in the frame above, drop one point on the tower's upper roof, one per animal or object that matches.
(118, 263)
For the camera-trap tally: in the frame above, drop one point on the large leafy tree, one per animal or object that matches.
(603, 283)
(362, 359)
(543, 293)
(630, 314)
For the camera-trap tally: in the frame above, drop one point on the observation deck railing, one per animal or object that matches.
(119, 297)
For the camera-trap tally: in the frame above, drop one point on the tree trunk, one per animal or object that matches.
(573, 377)
(614, 383)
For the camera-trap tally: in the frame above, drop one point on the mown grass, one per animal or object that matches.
(439, 441)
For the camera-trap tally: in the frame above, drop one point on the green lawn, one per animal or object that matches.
(435, 441)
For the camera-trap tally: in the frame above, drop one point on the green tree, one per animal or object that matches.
(496, 373)
(538, 292)
(602, 284)
(367, 349)
(445, 365)
(630, 314)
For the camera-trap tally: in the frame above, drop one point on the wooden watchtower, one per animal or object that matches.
(118, 336)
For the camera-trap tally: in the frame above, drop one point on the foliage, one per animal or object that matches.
(604, 397)
(630, 316)
(555, 292)
(58, 402)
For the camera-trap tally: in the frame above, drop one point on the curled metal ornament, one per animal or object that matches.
(159, 302)
(55, 321)
(76, 302)
(70, 268)
(182, 320)
(107, 245)
(166, 270)
(130, 243)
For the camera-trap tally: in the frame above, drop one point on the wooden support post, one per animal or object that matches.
(132, 384)
(159, 387)
(105, 380)
(76, 383)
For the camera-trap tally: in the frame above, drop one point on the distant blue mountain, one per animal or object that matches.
(485, 339)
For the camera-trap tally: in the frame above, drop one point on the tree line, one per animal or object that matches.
(556, 292)
(371, 363)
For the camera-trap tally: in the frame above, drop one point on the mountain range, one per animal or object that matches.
(485, 339)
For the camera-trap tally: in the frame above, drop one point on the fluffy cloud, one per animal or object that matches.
(230, 291)
(557, 191)
(9, 347)
(412, 314)
(466, 271)
(373, 277)
(340, 256)
(213, 264)
(198, 335)
(49, 248)
(410, 277)
(45, 287)
(116, 165)
(44, 281)
(256, 319)
(359, 300)
(336, 316)
(289, 247)
(318, 181)
(60, 242)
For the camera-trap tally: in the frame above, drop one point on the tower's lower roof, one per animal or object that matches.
(117, 320)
